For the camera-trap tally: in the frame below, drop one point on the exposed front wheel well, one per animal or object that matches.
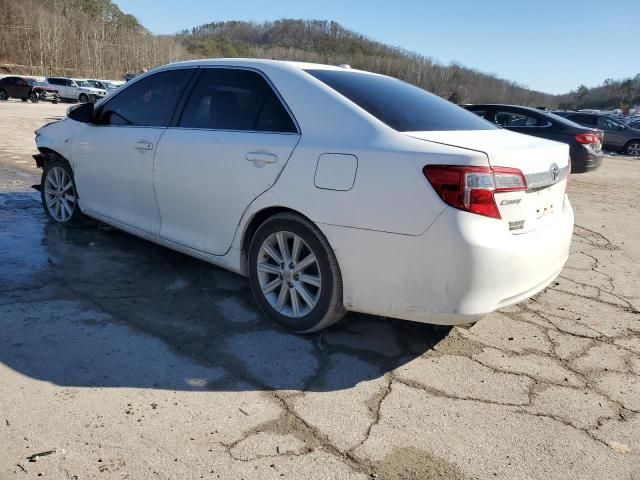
(46, 154)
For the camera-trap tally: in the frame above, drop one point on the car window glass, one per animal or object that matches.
(480, 113)
(149, 102)
(235, 99)
(511, 119)
(583, 119)
(400, 105)
(608, 124)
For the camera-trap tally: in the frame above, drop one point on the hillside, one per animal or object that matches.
(77, 38)
(94, 38)
(611, 94)
(329, 42)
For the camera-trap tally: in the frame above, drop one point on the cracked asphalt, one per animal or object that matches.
(122, 359)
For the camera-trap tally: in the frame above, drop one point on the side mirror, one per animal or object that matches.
(81, 113)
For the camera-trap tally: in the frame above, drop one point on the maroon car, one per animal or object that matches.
(43, 91)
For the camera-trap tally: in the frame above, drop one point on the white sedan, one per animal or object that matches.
(332, 189)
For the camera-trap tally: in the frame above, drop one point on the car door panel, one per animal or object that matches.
(232, 140)
(206, 179)
(113, 156)
(114, 176)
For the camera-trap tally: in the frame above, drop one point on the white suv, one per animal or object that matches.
(75, 90)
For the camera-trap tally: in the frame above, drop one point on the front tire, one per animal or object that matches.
(3, 94)
(83, 98)
(33, 96)
(632, 148)
(59, 195)
(294, 274)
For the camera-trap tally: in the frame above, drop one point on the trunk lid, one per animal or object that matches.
(544, 163)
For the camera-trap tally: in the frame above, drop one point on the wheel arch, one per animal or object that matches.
(258, 219)
(47, 154)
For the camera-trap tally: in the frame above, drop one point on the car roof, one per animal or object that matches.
(504, 105)
(261, 62)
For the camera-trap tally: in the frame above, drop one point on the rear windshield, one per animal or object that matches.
(402, 106)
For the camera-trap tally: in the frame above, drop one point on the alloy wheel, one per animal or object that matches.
(634, 149)
(3, 95)
(59, 194)
(289, 274)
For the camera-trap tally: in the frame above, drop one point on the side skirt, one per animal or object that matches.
(220, 261)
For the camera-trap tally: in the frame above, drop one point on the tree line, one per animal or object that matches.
(78, 38)
(94, 38)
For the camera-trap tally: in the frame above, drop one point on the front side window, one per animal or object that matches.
(235, 99)
(149, 102)
(402, 106)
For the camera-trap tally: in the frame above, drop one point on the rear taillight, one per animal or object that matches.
(471, 188)
(587, 138)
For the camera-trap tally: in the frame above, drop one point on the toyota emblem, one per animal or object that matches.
(554, 171)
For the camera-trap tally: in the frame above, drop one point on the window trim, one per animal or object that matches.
(175, 120)
(110, 98)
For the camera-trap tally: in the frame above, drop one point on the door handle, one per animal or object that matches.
(144, 145)
(261, 158)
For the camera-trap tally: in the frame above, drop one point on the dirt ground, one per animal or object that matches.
(120, 359)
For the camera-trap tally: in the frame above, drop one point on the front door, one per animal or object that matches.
(233, 140)
(113, 157)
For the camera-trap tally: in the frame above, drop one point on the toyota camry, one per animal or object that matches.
(331, 189)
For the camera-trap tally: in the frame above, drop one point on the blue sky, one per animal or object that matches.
(548, 45)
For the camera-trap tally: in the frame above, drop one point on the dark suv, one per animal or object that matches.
(16, 87)
(618, 137)
(585, 144)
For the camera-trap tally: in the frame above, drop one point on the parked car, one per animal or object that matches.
(16, 87)
(618, 137)
(585, 144)
(332, 189)
(72, 90)
(43, 91)
(102, 85)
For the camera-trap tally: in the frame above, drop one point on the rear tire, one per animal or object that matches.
(3, 94)
(632, 148)
(294, 274)
(24, 99)
(59, 195)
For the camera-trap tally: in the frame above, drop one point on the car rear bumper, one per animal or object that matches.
(584, 159)
(462, 268)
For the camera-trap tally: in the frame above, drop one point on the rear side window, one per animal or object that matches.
(607, 124)
(235, 99)
(149, 102)
(402, 106)
(584, 119)
(511, 119)
(480, 113)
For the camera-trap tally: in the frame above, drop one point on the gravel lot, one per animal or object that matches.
(121, 359)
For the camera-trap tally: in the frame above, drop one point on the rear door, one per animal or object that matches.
(113, 157)
(614, 133)
(229, 145)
